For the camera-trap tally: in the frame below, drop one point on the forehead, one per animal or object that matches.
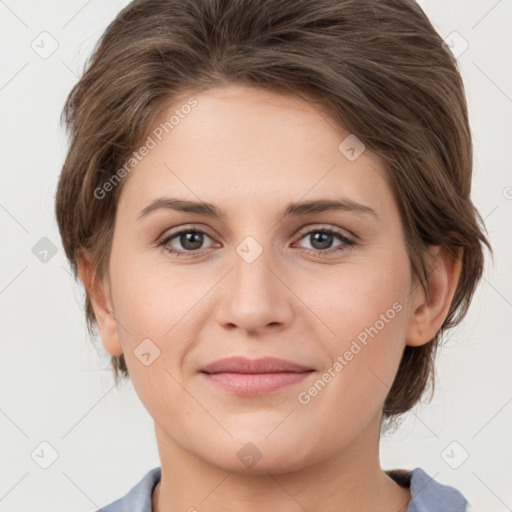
(258, 146)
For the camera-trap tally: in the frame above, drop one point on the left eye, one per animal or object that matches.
(321, 240)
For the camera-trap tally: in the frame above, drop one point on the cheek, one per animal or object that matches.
(149, 311)
(365, 310)
(355, 301)
(160, 311)
(150, 298)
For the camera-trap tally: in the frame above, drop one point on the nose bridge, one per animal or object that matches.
(256, 297)
(252, 273)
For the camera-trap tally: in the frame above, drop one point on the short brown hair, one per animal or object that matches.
(378, 65)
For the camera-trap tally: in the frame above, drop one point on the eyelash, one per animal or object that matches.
(346, 242)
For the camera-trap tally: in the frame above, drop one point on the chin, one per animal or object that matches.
(253, 453)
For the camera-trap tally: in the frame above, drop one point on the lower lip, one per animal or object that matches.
(255, 383)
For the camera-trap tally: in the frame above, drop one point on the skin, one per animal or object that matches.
(251, 152)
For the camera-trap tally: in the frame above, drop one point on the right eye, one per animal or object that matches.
(190, 240)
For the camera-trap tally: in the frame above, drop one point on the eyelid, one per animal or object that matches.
(326, 227)
(171, 232)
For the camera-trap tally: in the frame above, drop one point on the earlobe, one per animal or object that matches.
(100, 302)
(429, 308)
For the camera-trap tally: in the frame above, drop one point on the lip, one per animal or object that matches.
(245, 376)
(240, 364)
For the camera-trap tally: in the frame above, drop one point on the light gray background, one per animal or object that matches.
(57, 387)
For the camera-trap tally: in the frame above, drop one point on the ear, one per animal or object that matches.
(101, 303)
(430, 309)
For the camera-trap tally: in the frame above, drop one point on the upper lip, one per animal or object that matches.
(246, 365)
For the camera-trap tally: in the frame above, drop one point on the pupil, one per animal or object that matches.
(191, 241)
(324, 240)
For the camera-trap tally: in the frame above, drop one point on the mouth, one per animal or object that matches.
(244, 376)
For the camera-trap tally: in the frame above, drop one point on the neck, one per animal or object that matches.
(351, 480)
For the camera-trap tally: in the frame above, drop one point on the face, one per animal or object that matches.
(292, 250)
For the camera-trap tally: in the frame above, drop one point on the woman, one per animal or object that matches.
(268, 204)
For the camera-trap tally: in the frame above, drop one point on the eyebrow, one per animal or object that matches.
(292, 209)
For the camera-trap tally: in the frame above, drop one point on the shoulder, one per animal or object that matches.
(138, 499)
(427, 493)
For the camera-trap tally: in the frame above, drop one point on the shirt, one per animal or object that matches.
(427, 494)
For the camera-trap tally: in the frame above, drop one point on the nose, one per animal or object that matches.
(254, 295)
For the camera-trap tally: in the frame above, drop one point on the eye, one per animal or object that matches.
(321, 241)
(187, 240)
(190, 241)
